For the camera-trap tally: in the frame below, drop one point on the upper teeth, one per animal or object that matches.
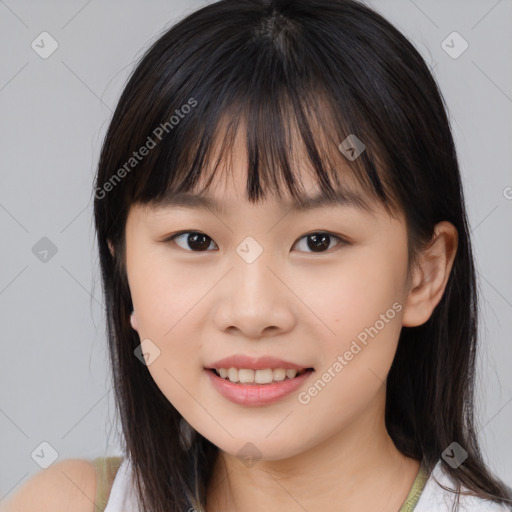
(266, 376)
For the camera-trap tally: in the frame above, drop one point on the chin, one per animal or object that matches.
(252, 449)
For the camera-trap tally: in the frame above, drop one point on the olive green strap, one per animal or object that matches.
(417, 487)
(106, 469)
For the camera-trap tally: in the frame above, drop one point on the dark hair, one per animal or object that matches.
(327, 69)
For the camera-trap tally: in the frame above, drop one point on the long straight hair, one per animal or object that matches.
(326, 70)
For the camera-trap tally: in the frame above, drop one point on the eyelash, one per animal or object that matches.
(340, 243)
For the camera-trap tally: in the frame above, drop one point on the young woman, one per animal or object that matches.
(288, 273)
(290, 251)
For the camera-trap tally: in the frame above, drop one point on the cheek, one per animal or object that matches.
(162, 293)
(353, 294)
(165, 301)
(360, 302)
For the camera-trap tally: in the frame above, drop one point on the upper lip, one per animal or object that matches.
(254, 363)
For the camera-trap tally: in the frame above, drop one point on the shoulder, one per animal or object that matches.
(435, 498)
(66, 486)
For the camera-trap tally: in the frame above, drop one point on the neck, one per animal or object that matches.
(358, 468)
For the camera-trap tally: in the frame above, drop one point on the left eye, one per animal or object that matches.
(198, 241)
(194, 238)
(320, 240)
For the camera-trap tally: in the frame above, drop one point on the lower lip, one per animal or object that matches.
(256, 394)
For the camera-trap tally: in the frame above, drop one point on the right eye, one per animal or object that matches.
(195, 239)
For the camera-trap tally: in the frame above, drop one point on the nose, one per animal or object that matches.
(254, 300)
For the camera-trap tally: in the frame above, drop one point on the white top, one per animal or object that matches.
(122, 495)
(432, 499)
(435, 499)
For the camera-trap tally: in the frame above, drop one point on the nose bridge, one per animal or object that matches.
(256, 299)
(252, 273)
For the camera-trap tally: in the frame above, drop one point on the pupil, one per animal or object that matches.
(319, 241)
(198, 241)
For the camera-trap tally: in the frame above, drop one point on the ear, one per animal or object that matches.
(111, 247)
(430, 275)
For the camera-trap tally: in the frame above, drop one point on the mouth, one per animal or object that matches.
(267, 376)
(257, 387)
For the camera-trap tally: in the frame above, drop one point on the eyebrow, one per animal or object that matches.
(345, 198)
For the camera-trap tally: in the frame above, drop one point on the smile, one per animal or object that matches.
(250, 393)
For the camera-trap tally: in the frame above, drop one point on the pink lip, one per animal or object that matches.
(255, 394)
(260, 363)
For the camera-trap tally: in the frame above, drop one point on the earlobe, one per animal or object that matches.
(133, 321)
(431, 275)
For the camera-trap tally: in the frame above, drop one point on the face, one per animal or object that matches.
(321, 289)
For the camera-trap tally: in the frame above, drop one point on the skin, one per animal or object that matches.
(197, 306)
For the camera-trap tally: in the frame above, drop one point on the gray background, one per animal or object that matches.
(54, 378)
